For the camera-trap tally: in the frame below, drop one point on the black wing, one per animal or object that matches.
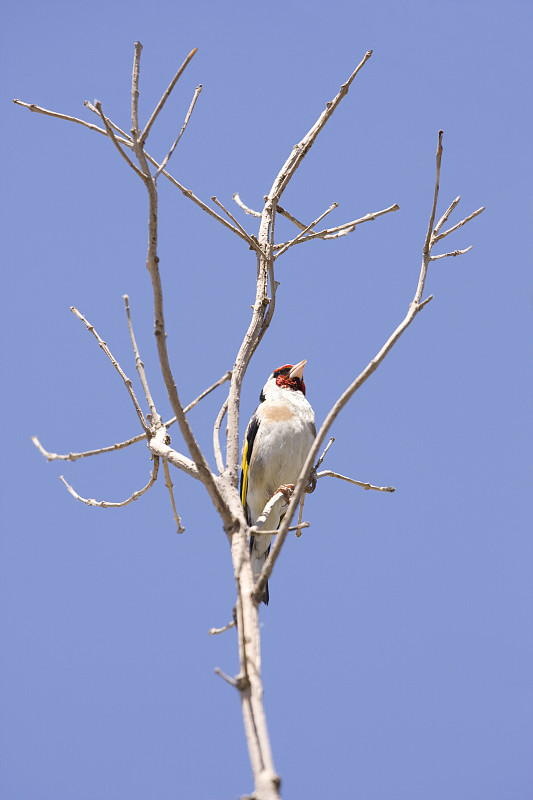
(251, 432)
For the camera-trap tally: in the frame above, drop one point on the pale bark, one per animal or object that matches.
(222, 485)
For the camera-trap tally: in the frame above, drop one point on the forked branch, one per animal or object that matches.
(222, 488)
(264, 305)
(415, 307)
(134, 439)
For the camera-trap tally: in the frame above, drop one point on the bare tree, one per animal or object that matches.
(222, 484)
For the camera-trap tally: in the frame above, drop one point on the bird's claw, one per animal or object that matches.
(286, 490)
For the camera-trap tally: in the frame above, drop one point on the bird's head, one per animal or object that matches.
(288, 376)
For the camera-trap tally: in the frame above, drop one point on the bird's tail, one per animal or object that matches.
(258, 561)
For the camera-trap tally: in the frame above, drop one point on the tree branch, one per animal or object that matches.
(128, 142)
(453, 253)
(327, 473)
(180, 134)
(216, 437)
(127, 381)
(223, 489)
(244, 207)
(414, 308)
(113, 138)
(300, 150)
(138, 362)
(446, 214)
(159, 447)
(135, 90)
(302, 233)
(170, 487)
(253, 243)
(152, 265)
(121, 445)
(216, 631)
(40, 110)
(106, 503)
(345, 228)
(75, 456)
(166, 95)
(262, 313)
(459, 224)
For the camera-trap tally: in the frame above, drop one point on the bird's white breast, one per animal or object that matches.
(284, 438)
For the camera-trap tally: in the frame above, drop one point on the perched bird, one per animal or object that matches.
(278, 439)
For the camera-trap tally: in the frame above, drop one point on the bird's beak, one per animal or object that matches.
(298, 370)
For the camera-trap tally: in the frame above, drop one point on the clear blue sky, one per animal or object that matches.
(398, 645)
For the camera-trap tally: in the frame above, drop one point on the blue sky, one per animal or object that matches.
(398, 646)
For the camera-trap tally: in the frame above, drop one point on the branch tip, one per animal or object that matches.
(231, 681)
(216, 631)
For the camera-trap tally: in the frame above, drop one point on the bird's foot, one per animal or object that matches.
(286, 490)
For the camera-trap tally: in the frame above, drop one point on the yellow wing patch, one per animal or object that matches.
(244, 473)
(253, 427)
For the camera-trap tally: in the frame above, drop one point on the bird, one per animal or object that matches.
(277, 441)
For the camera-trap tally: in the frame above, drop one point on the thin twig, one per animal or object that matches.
(279, 210)
(296, 239)
(460, 224)
(453, 205)
(322, 457)
(453, 253)
(300, 526)
(223, 379)
(127, 381)
(106, 503)
(128, 141)
(251, 241)
(219, 459)
(47, 113)
(188, 193)
(170, 487)
(139, 364)
(427, 242)
(346, 227)
(300, 150)
(231, 681)
(113, 138)
(285, 213)
(180, 134)
(121, 445)
(164, 98)
(216, 631)
(327, 473)
(135, 91)
(245, 208)
(75, 456)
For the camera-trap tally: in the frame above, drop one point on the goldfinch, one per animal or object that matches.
(278, 439)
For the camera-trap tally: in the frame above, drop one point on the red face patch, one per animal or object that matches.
(281, 374)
